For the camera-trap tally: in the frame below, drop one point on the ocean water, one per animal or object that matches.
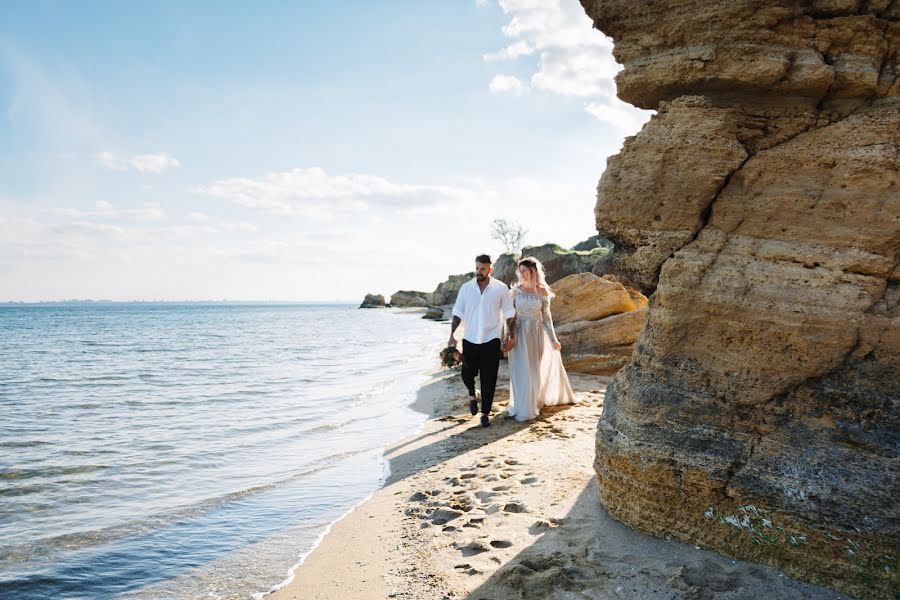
(192, 451)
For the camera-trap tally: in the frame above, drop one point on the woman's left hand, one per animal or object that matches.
(557, 346)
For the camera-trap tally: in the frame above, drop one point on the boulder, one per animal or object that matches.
(405, 299)
(435, 313)
(373, 301)
(586, 297)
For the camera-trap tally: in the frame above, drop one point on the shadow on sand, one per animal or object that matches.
(430, 449)
(589, 555)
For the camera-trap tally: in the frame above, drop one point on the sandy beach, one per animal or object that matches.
(510, 511)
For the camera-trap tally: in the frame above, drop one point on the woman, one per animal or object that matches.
(536, 373)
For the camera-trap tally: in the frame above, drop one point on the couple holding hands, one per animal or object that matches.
(536, 373)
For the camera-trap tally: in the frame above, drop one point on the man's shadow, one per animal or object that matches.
(446, 401)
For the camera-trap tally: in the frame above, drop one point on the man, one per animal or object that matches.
(482, 304)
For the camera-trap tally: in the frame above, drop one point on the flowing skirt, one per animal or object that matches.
(536, 374)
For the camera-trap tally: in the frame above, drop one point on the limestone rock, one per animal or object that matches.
(373, 301)
(406, 299)
(593, 243)
(505, 269)
(603, 346)
(586, 297)
(446, 292)
(760, 412)
(559, 262)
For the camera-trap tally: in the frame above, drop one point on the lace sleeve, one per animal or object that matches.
(547, 318)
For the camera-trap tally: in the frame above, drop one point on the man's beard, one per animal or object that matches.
(480, 277)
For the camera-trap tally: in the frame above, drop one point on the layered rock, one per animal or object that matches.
(373, 301)
(601, 347)
(597, 321)
(586, 297)
(409, 299)
(759, 414)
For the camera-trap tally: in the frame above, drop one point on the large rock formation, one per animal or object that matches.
(446, 292)
(409, 299)
(759, 415)
(559, 262)
(373, 301)
(505, 268)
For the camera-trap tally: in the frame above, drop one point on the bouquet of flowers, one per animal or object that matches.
(450, 357)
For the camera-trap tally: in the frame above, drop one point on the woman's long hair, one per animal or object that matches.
(537, 273)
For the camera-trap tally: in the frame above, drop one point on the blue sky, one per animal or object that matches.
(291, 150)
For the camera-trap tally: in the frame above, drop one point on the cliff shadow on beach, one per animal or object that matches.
(587, 554)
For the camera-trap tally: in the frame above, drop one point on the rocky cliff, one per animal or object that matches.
(761, 207)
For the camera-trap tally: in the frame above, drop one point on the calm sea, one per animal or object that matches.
(192, 451)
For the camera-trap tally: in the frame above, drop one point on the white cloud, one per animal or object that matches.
(314, 193)
(111, 162)
(619, 114)
(153, 163)
(511, 52)
(574, 59)
(506, 83)
(143, 163)
(105, 210)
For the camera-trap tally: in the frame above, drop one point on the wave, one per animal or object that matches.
(44, 548)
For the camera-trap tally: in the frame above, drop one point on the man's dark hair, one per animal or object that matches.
(484, 259)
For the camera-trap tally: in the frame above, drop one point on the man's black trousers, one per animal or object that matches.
(483, 358)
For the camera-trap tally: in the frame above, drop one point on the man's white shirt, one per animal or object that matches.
(483, 313)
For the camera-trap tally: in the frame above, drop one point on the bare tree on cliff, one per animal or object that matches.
(510, 233)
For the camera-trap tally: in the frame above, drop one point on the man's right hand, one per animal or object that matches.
(452, 342)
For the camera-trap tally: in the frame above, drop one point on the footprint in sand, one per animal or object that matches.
(468, 475)
(514, 507)
(485, 497)
(444, 515)
(467, 569)
(529, 480)
(501, 544)
(471, 548)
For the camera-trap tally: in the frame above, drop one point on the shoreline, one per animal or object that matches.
(420, 405)
(509, 512)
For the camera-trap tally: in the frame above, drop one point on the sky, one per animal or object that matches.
(292, 151)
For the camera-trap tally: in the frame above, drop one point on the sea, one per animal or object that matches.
(193, 450)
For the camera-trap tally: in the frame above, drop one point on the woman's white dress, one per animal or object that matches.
(536, 373)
